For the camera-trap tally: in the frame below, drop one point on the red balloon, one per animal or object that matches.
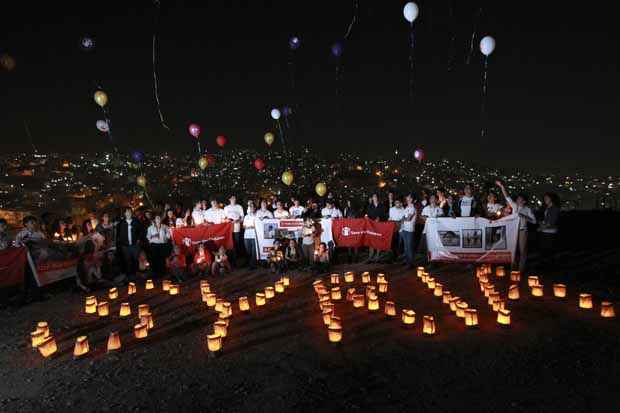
(259, 164)
(221, 141)
(211, 159)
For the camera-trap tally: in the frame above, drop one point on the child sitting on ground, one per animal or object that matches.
(220, 264)
(202, 261)
(177, 264)
(321, 259)
(144, 266)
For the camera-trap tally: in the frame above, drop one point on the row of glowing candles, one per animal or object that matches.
(42, 340)
(224, 308)
(585, 300)
(369, 299)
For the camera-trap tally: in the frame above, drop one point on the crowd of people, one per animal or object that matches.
(114, 248)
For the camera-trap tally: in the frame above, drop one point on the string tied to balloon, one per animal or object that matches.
(411, 12)
(487, 46)
(473, 35)
(155, 77)
(353, 19)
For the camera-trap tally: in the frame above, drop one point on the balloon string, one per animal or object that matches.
(473, 36)
(484, 97)
(199, 151)
(353, 20)
(155, 79)
(411, 44)
(283, 139)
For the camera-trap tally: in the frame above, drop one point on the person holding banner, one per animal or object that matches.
(29, 233)
(467, 205)
(526, 216)
(263, 212)
(330, 210)
(198, 217)
(280, 212)
(376, 212)
(249, 236)
(407, 230)
(215, 214)
(296, 211)
(492, 208)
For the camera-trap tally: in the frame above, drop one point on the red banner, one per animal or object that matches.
(12, 267)
(219, 234)
(363, 232)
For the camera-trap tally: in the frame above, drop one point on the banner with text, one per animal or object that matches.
(51, 262)
(363, 232)
(269, 230)
(219, 234)
(472, 239)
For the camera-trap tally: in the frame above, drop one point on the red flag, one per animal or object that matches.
(219, 234)
(379, 234)
(363, 232)
(12, 267)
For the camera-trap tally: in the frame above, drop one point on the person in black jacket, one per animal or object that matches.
(377, 212)
(130, 233)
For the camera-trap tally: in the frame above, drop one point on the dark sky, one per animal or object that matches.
(553, 79)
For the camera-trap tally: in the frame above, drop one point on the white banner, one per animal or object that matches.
(472, 239)
(326, 235)
(268, 230)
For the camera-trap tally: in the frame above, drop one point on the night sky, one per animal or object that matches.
(552, 99)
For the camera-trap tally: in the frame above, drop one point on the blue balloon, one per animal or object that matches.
(87, 43)
(294, 43)
(137, 156)
(286, 111)
(337, 49)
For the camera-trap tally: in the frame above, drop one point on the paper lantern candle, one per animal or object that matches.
(559, 290)
(350, 294)
(471, 317)
(607, 309)
(503, 317)
(381, 278)
(316, 284)
(499, 304)
(147, 320)
(269, 292)
(244, 304)
(214, 342)
(335, 321)
(327, 315)
(260, 299)
(438, 291)
(447, 296)
(48, 347)
(165, 286)
(513, 292)
(90, 306)
(43, 327)
(219, 305)
(358, 300)
(125, 310)
(453, 301)
(336, 294)
(143, 309)
(430, 283)
(140, 330)
(335, 278)
(488, 289)
(211, 299)
(114, 341)
(335, 334)
(493, 297)
(515, 276)
(408, 317)
(349, 277)
(420, 271)
(585, 301)
(103, 309)
(373, 304)
(131, 289)
(174, 289)
(220, 328)
(149, 285)
(537, 290)
(279, 287)
(365, 277)
(324, 301)
(36, 338)
(113, 293)
(383, 286)
(286, 281)
(81, 346)
(226, 309)
(328, 306)
(461, 306)
(500, 271)
(428, 325)
(390, 309)
(532, 280)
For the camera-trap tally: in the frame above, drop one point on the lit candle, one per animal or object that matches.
(420, 271)
(103, 309)
(113, 293)
(453, 302)
(286, 281)
(513, 292)
(131, 288)
(503, 317)
(334, 334)
(90, 306)
(165, 286)
(211, 299)
(327, 316)
(114, 341)
(219, 327)
(500, 271)
(499, 305)
(48, 347)
(358, 300)
(335, 279)
(438, 292)
(585, 301)
(244, 304)
(335, 321)
(140, 330)
(81, 346)
(515, 276)
(493, 297)
(537, 290)
(381, 278)
(214, 342)
(532, 280)
(428, 325)
(373, 304)
(149, 285)
(125, 310)
(559, 290)
(36, 338)
(447, 296)
(349, 277)
(279, 287)
(390, 308)
(143, 309)
(471, 317)
(269, 292)
(408, 317)
(147, 320)
(461, 306)
(43, 327)
(350, 294)
(383, 286)
(365, 277)
(174, 289)
(260, 299)
(336, 294)
(430, 283)
(607, 310)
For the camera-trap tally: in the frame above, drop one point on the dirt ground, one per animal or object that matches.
(554, 357)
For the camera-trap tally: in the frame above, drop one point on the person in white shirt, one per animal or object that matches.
(493, 209)
(280, 212)
(263, 212)
(29, 233)
(249, 236)
(526, 216)
(396, 214)
(296, 210)
(158, 236)
(234, 212)
(215, 214)
(432, 210)
(330, 210)
(198, 216)
(407, 230)
(467, 205)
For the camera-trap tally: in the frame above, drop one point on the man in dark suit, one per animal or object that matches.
(130, 233)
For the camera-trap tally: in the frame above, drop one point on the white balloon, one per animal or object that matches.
(275, 113)
(411, 11)
(103, 126)
(487, 45)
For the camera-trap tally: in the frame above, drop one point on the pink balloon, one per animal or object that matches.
(194, 130)
(418, 154)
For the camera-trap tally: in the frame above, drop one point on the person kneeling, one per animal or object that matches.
(221, 263)
(321, 259)
(202, 261)
(177, 264)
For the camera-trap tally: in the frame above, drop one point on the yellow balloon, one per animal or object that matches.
(287, 178)
(321, 188)
(141, 181)
(203, 162)
(101, 98)
(269, 138)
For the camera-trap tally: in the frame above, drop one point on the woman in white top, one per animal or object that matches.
(296, 210)
(526, 216)
(158, 236)
(263, 212)
(249, 236)
(493, 209)
(280, 212)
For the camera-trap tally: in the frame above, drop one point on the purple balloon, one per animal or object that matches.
(418, 154)
(286, 111)
(294, 43)
(337, 49)
(137, 156)
(194, 130)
